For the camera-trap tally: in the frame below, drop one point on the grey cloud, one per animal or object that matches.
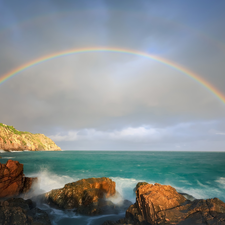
(104, 94)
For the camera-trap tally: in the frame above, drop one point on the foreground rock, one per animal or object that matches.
(12, 139)
(17, 211)
(161, 204)
(87, 196)
(12, 180)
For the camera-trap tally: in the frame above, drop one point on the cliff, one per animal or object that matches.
(12, 139)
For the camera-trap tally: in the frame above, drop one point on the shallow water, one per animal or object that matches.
(200, 174)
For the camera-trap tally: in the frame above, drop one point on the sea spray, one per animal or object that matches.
(48, 180)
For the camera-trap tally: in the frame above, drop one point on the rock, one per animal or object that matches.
(162, 204)
(120, 222)
(17, 211)
(103, 206)
(12, 180)
(139, 184)
(200, 211)
(84, 195)
(12, 139)
(151, 200)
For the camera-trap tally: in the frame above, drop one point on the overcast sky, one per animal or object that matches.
(115, 101)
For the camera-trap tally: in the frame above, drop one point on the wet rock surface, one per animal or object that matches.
(12, 180)
(162, 204)
(102, 207)
(18, 211)
(88, 196)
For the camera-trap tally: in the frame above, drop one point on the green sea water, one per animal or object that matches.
(200, 174)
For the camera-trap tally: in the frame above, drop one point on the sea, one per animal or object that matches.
(199, 174)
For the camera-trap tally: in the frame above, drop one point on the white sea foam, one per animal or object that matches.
(200, 192)
(125, 186)
(202, 185)
(15, 151)
(2, 151)
(221, 182)
(8, 157)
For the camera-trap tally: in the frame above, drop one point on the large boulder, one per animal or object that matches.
(12, 180)
(162, 204)
(18, 211)
(152, 200)
(87, 196)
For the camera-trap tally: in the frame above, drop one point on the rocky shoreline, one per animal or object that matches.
(13, 139)
(162, 204)
(155, 203)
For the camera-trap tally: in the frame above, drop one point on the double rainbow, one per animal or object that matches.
(173, 65)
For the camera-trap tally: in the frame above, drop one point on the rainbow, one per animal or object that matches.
(173, 65)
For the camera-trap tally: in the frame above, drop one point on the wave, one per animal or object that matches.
(15, 151)
(48, 181)
(221, 182)
(125, 186)
(2, 151)
(200, 191)
(8, 157)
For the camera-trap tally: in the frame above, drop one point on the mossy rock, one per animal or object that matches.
(139, 184)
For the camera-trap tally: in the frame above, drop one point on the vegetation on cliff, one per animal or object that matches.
(12, 139)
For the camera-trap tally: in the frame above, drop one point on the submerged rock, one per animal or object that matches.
(12, 180)
(88, 196)
(18, 211)
(162, 204)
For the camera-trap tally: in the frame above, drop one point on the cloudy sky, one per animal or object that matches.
(111, 100)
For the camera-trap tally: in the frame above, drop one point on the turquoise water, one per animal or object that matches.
(200, 174)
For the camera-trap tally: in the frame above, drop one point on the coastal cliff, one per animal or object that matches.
(12, 139)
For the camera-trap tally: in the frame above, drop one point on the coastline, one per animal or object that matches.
(199, 174)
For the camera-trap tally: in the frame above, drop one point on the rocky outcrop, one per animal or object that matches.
(87, 196)
(12, 180)
(12, 139)
(21, 212)
(162, 204)
(151, 200)
(139, 184)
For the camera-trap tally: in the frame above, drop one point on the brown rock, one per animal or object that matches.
(161, 204)
(21, 212)
(152, 199)
(12, 180)
(83, 194)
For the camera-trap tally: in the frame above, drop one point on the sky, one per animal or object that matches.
(115, 100)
